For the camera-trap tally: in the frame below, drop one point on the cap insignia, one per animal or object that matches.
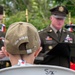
(61, 9)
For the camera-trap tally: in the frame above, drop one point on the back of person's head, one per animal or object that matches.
(22, 38)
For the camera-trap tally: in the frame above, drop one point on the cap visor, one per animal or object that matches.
(61, 17)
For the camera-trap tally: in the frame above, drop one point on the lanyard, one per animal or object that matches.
(21, 62)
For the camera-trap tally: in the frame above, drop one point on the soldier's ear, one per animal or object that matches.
(5, 52)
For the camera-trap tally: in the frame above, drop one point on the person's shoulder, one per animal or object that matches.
(44, 30)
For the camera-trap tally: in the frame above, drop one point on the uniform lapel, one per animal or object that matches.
(52, 34)
(63, 36)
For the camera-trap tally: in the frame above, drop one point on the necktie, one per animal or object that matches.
(58, 34)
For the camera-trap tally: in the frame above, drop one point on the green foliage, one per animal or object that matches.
(39, 23)
(20, 16)
(71, 8)
(36, 19)
(38, 11)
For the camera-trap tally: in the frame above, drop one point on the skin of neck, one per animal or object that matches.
(28, 58)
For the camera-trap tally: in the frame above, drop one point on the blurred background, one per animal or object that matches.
(34, 11)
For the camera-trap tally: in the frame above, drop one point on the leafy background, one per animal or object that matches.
(38, 11)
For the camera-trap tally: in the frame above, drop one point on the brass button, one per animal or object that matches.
(50, 30)
(50, 47)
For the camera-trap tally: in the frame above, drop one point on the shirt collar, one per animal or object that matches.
(54, 29)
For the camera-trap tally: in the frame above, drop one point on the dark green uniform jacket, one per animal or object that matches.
(49, 40)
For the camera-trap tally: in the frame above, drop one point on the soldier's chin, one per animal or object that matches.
(58, 28)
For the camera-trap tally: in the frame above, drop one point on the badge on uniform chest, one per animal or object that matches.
(68, 39)
(48, 38)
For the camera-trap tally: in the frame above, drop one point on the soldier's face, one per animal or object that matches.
(57, 22)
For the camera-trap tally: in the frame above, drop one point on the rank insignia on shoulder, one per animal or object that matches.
(40, 30)
(48, 38)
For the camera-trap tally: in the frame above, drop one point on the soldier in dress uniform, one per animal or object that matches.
(49, 37)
